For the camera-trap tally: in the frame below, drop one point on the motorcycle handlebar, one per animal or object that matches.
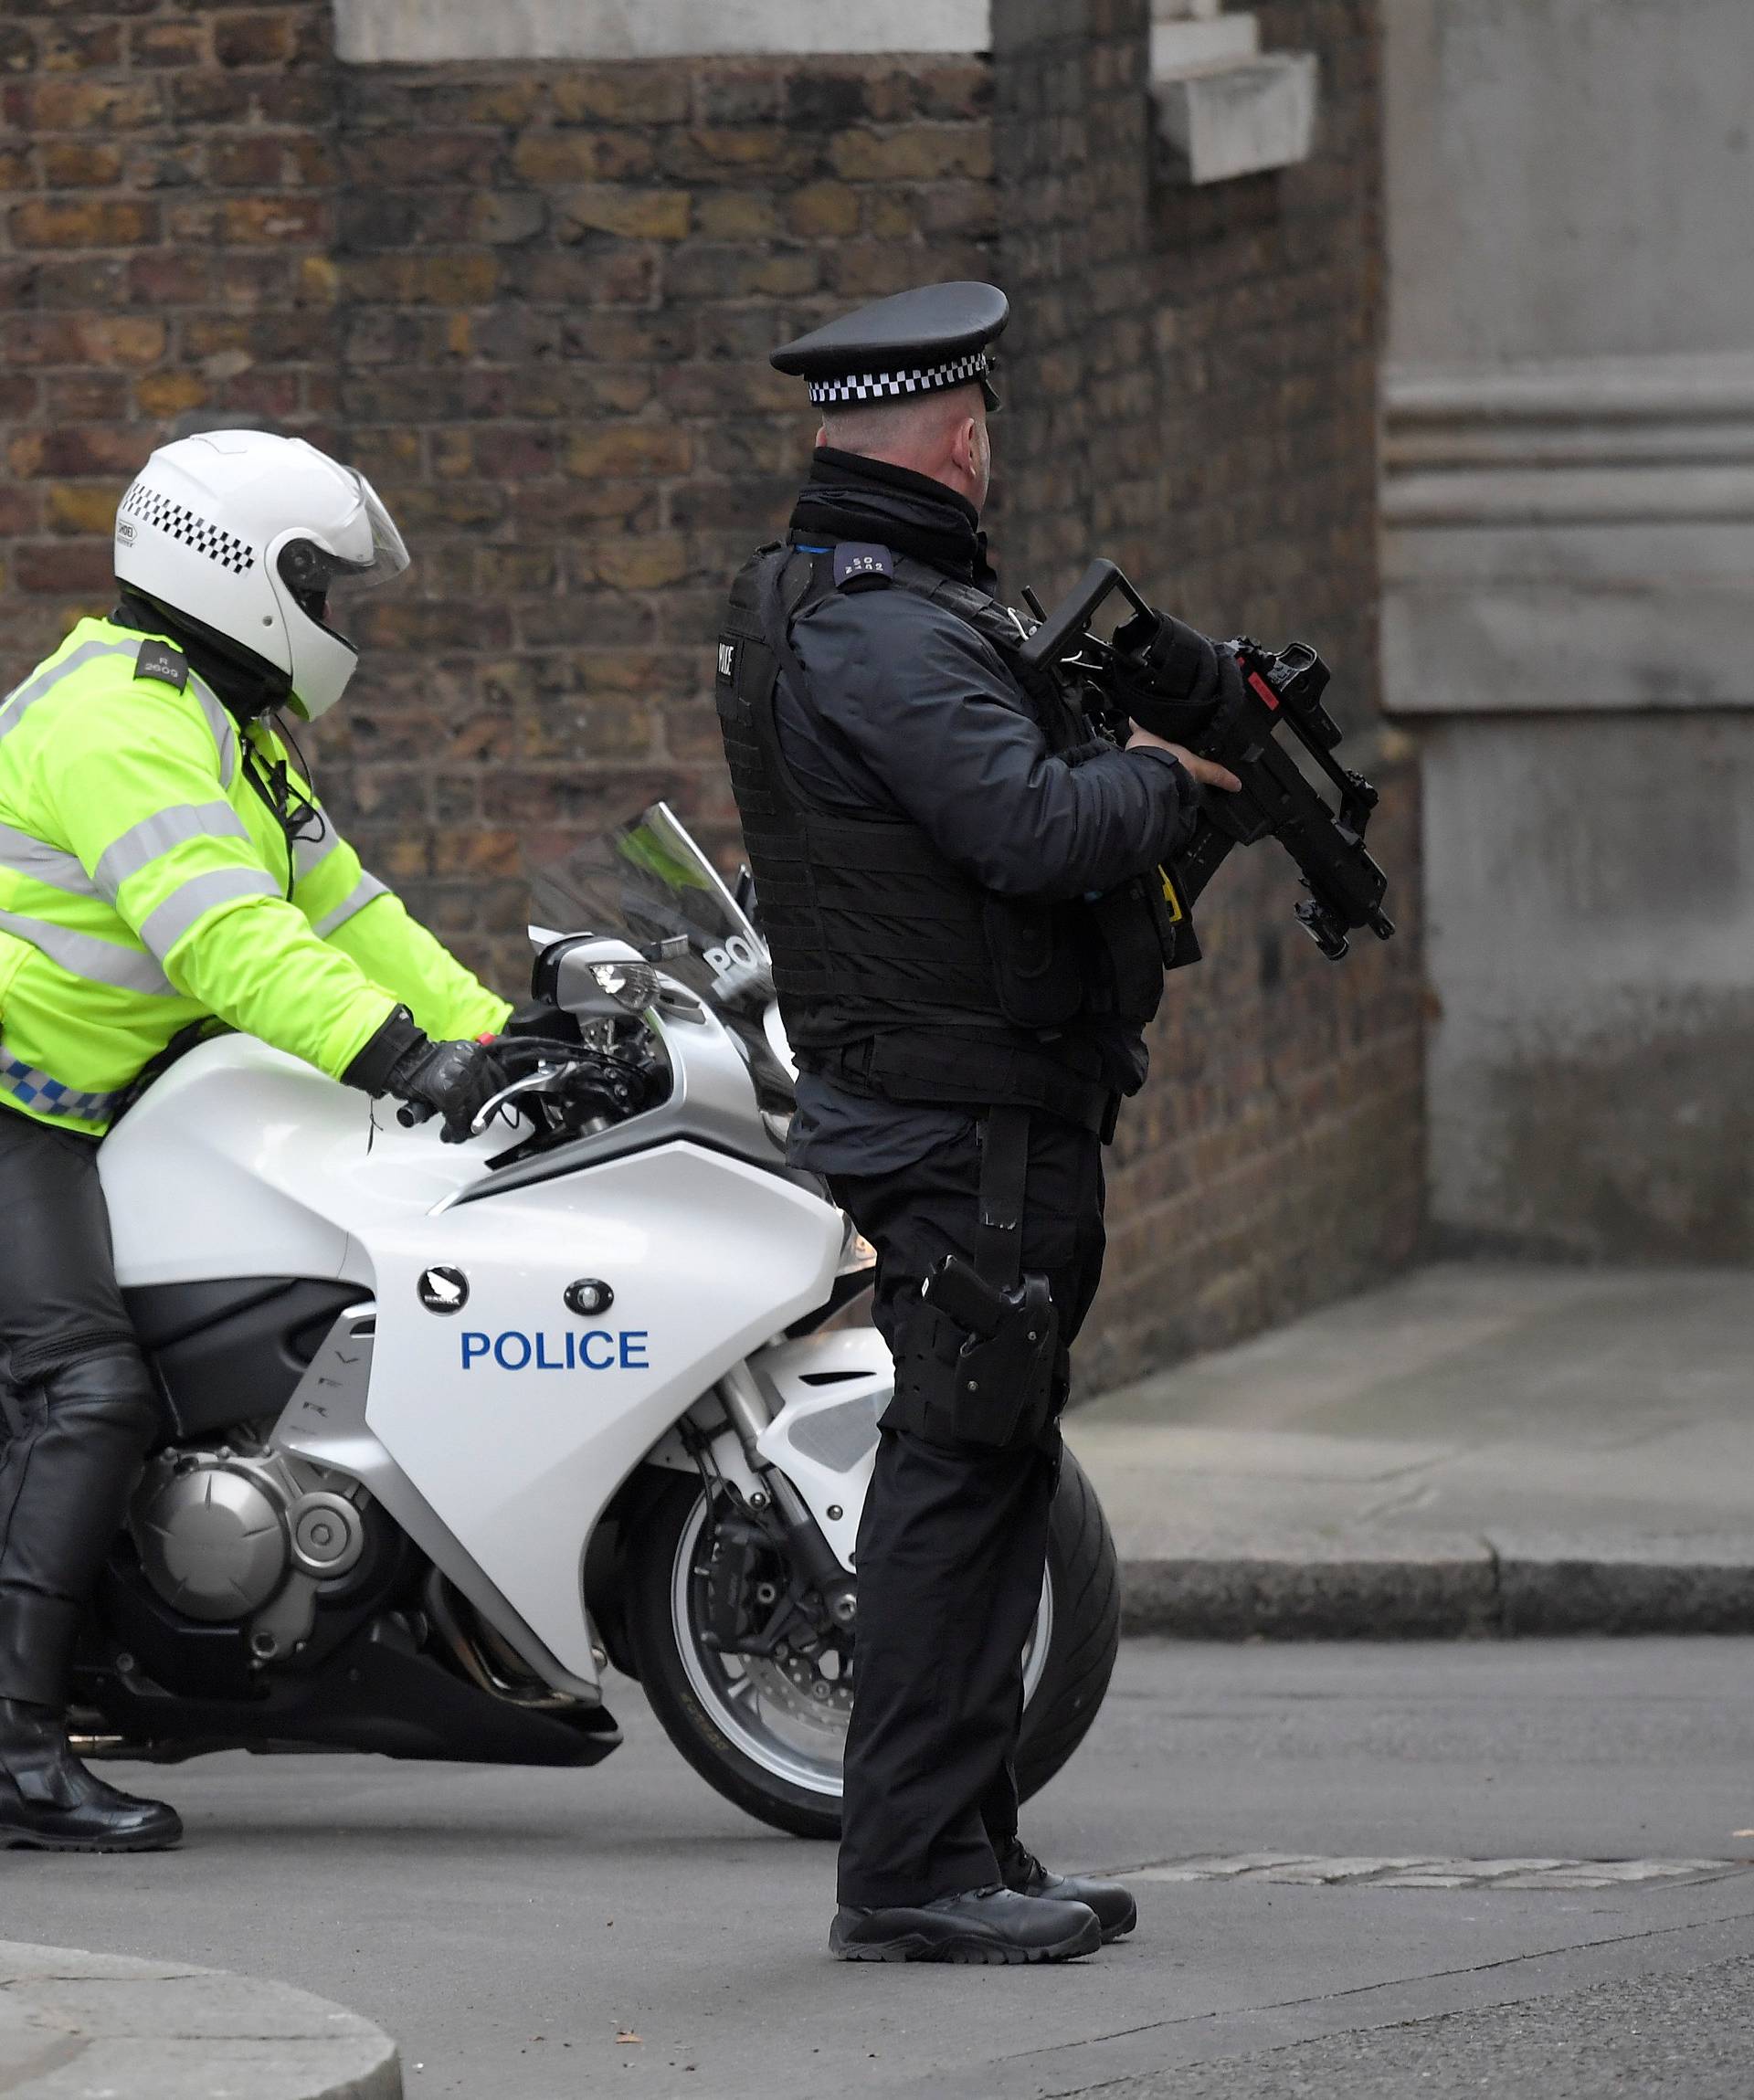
(544, 1079)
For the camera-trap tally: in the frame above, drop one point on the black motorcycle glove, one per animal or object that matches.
(453, 1080)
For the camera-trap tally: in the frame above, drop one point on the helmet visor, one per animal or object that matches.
(312, 571)
(390, 556)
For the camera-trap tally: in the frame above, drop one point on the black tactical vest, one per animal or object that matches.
(897, 974)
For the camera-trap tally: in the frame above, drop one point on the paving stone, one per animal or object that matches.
(1324, 1873)
(1303, 1871)
(1212, 1869)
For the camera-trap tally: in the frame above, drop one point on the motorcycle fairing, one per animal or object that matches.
(209, 1343)
(828, 1391)
(324, 1423)
(832, 1389)
(520, 1452)
(242, 1161)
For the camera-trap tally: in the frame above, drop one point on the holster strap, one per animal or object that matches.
(1004, 1176)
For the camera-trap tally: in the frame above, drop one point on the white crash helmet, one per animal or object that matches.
(243, 534)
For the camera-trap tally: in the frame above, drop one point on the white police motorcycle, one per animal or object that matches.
(452, 1427)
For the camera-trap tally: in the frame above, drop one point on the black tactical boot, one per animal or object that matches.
(49, 1801)
(985, 1925)
(1114, 1908)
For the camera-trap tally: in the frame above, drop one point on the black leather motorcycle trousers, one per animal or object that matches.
(78, 1406)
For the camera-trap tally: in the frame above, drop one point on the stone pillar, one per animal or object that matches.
(1568, 596)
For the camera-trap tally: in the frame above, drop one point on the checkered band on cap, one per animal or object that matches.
(151, 507)
(893, 386)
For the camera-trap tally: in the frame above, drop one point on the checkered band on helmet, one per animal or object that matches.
(892, 385)
(151, 507)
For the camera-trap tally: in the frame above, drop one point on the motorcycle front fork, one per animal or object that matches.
(750, 1412)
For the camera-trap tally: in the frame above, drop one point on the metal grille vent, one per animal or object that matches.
(840, 1437)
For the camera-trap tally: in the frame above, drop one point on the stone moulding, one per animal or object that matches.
(1225, 107)
(430, 32)
(1589, 515)
(1599, 440)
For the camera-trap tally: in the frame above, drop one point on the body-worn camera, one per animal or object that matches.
(1116, 681)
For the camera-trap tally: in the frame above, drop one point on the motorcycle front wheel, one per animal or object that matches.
(769, 1733)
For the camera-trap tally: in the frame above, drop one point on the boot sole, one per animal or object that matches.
(17, 1841)
(967, 1953)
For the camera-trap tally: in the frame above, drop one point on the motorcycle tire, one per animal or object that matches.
(802, 1796)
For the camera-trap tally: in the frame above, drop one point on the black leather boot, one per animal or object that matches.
(987, 1925)
(1114, 1908)
(49, 1801)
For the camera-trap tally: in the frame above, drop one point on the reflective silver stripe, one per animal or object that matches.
(22, 697)
(163, 927)
(36, 1090)
(224, 730)
(43, 864)
(155, 836)
(357, 898)
(85, 955)
(309, 854)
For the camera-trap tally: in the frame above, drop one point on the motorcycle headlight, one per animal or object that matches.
(630, 985)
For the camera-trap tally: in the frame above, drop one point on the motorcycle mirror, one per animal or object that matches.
(594, 976)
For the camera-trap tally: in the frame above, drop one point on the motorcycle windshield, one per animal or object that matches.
(652, 883)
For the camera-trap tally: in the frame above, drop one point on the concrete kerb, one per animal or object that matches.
(1341, 1594)
(75, 2025)
(1475, 1449)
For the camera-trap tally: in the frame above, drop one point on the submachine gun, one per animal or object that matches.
(1114, 681)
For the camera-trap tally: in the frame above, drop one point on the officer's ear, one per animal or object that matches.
(821, 436)
(973, 459)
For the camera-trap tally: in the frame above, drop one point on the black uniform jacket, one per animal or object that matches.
(910, 710)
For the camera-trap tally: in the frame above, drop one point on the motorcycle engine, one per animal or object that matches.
(240, 1532)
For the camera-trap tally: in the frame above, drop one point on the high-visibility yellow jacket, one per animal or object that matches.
(146, 883)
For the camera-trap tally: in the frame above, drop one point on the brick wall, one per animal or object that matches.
(166, 179)
(1194, 380)
(535, 303)
(554, 296)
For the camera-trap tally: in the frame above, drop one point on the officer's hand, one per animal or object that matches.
(1207, 770)
(454, 1080)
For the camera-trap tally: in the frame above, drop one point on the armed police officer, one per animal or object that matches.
(163, 865)
(961, 892)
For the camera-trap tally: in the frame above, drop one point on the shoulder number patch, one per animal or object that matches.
(158, 660)
(858, 566)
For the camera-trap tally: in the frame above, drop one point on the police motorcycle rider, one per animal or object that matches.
(960, 891)
(165, 865)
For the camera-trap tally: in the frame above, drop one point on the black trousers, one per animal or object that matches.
(953, 1544)
(78, 1406)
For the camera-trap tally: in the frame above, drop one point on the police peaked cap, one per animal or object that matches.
(918, 341)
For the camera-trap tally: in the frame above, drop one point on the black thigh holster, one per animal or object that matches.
(977, 1365)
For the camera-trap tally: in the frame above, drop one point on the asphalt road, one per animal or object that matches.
(507, 1927)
